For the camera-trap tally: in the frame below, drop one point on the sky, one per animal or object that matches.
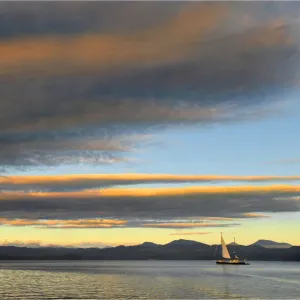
(126, 122)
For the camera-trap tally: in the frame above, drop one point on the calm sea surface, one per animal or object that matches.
(148, 280)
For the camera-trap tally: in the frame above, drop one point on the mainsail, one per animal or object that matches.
(225, 253)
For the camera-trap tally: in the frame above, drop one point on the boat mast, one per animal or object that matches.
(234, 245)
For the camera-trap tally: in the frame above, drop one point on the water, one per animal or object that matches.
(147, 280)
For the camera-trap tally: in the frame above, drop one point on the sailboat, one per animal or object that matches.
(227, 259)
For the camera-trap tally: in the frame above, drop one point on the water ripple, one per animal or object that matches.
(147, 280)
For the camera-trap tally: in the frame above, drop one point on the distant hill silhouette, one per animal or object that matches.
(182, 242)
(271, 244)
(149, 244)
(176, 250)
(233, 244)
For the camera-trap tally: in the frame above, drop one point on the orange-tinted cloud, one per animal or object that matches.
(98, 180)
(195, 190)
(64, 55)
(272, 35)
(255, 215)
(155, 192)
(101, 223)
(80, 223)
(89, 52)
(142, 76)
(155, 204)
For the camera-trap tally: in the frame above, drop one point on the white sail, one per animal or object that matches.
(225, 253)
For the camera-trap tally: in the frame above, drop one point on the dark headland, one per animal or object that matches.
(175, 250)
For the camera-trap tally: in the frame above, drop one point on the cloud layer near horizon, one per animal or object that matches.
(199, 205)
(75, 81)
(108, 223)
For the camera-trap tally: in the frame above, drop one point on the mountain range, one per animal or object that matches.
(271, 244)
(175, 250)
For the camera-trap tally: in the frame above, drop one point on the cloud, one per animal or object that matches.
(90, 52)
(73, 148)
(79, 147)
(235, 217)
(64, 78)
(53, 18)
(87, 181)
(189, 233)
(255, 215)
(187, 225)
(151, 203)
(91, 83)
(64, 18)
(167, 92)
(104, 223)
(218, 218)
(80, 223)
(39, 53)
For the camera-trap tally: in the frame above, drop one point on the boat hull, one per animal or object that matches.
(232, 263)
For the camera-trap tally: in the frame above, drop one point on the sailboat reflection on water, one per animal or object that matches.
(227, 259)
